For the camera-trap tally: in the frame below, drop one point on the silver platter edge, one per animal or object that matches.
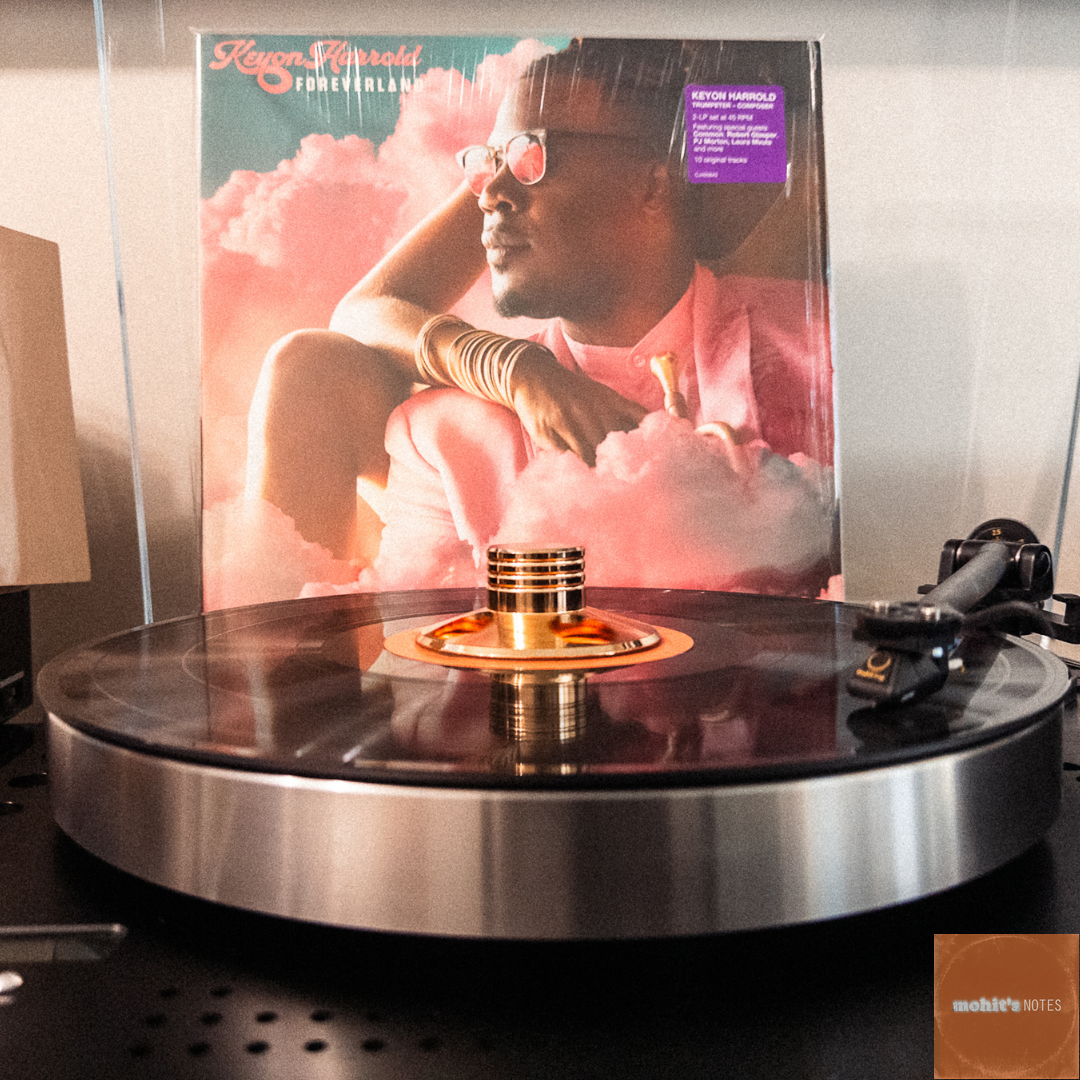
(559, 864)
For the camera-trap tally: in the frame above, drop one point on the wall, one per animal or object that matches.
(955, 240)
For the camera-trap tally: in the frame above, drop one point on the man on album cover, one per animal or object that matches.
(580, 207)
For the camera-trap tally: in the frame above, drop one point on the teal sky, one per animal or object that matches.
(246, 127)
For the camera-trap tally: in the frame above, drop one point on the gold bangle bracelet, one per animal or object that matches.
(477, 361)
(428, 362)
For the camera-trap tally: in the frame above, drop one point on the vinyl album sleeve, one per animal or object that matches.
(462, 291)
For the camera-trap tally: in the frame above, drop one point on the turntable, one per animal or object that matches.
(519, 766)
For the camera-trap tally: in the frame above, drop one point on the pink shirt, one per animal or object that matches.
(752, 352)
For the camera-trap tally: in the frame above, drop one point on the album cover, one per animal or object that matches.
(462, 291)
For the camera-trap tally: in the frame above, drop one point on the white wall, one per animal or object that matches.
(951, 173)
(955, 239)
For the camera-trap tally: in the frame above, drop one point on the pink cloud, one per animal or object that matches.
(252, 553)
(664, 509)
(661, 509)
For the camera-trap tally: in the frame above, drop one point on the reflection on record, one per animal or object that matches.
(306, 687)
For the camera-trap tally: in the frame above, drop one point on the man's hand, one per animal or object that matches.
(565, 410)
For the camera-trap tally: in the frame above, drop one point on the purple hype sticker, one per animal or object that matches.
(735, 134)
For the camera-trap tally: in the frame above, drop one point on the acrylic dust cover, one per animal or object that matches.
(462, 291)
(1005, 1005)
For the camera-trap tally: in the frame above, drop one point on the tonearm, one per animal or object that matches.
(997, 579)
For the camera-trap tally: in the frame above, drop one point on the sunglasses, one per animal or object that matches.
(524, 154)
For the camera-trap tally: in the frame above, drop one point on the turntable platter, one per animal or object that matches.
(279, 758)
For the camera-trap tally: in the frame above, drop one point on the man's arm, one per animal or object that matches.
(428, 272)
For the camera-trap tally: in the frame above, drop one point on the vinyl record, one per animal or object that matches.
(306, 687)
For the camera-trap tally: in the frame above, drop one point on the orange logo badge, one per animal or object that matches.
(1005, 1005)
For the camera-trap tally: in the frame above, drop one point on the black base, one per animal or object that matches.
(16, 683)
(197, 990)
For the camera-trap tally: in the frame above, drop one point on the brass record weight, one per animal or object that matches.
(536, 611)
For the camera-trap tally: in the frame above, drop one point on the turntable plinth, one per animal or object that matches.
(277, 758)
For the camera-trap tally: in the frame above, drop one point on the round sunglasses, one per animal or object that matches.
(524, 154)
